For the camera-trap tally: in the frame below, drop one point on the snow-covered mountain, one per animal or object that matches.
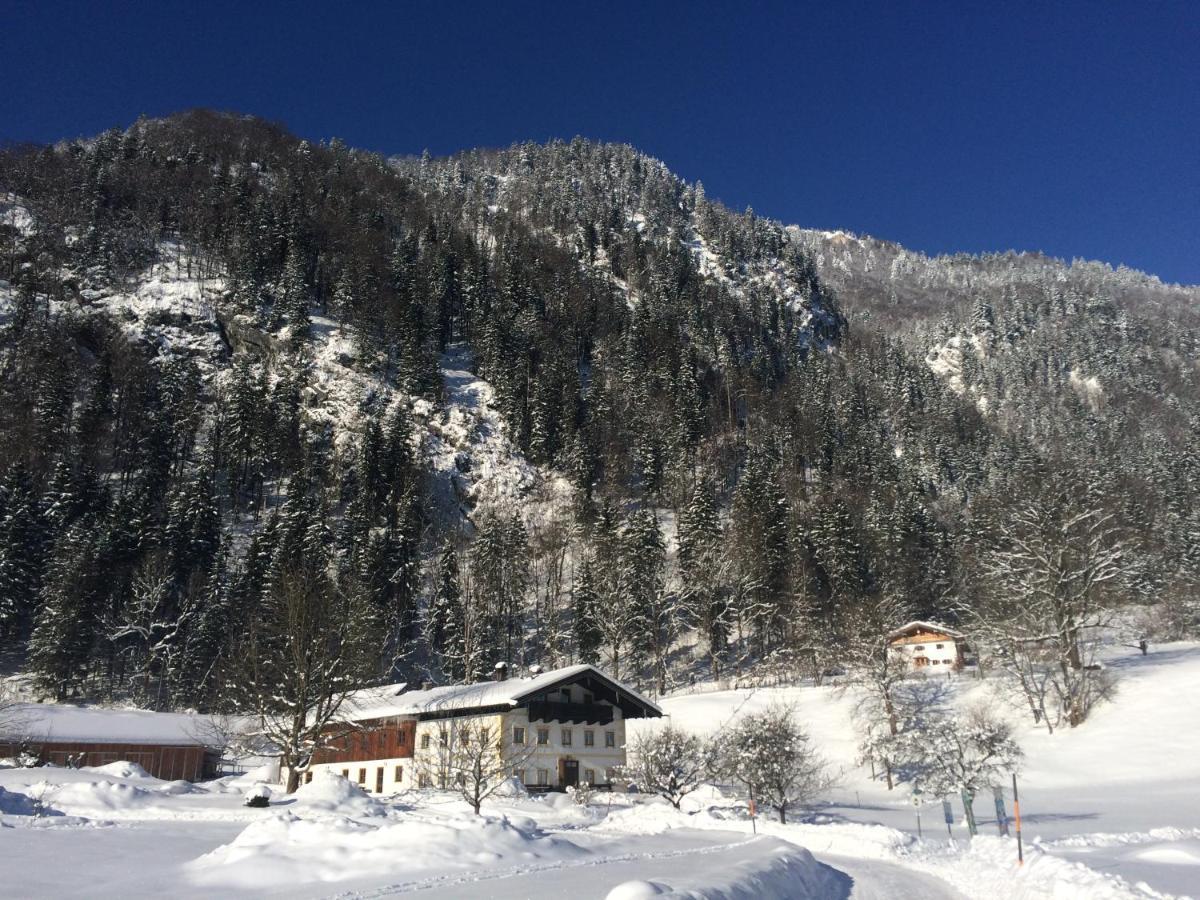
(546, 403)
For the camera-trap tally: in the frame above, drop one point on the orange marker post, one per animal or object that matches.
(1017, 818)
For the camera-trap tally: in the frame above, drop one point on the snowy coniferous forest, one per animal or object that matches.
(274, 412)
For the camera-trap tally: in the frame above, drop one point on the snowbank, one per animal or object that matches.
(331, 793)
(774, 869)
(286, 848)
(987, 868)
(120, 770)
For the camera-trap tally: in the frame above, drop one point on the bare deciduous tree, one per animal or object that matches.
(1053, 572)
(14, 715)
(296, 666)
(874, 672)
(472, 759)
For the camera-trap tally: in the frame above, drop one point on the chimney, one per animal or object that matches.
(501, 672)
(535, 669)
(426, 685)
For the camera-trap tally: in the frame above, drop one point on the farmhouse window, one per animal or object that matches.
(346, 773)
(518, 735)
(589, 738)
(423, 780)
(399, 774)
(920, 646)
(543, 776)
(589, 775)
(362, 776)
(610, 739)
(424, 742)
(940, 646)
(566, 737)
(520, 775)
(543, 735)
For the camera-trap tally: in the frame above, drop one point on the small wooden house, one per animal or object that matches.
(928, 647)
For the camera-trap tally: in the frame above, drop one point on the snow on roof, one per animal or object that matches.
(48, 722)
(394, 700)
(924, 626)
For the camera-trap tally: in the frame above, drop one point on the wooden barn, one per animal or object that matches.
(167, 745)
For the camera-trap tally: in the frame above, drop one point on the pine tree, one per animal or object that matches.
(586, 610)
(445, 608)
(65, 627)
(294, 293)
(643, 558)
(22, 538)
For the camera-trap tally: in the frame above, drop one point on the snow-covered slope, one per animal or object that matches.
(1120, 794)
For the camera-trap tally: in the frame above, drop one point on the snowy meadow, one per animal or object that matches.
(1111, 809)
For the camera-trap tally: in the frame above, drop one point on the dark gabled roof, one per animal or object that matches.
(393, 700)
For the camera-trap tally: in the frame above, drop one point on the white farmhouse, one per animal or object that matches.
(928, 647)
(559, 728)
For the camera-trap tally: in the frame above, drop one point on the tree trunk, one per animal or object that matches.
(968, 801)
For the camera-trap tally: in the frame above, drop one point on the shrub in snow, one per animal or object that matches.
(668, 762)
(258, 796)
(962, 754)
(770, 754)
(581, 793)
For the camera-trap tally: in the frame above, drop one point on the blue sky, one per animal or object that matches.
(1072, 128)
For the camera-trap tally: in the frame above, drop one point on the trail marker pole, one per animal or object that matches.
(1001, 816)
(753, 812)
(1017, 817)
(916, 801)
(948, 815)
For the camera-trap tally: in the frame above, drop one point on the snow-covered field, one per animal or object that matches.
(1111, 809)
(1119, 795)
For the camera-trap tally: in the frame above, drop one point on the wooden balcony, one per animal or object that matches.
(575, 713)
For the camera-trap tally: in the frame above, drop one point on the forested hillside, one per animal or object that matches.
(274, 412)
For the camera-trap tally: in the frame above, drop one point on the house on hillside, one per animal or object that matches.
(556, 729)
(167, 745)
(928, 647)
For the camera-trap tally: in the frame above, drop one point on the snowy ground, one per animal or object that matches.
(1111, 810)
(330, 839)
(1119, 795)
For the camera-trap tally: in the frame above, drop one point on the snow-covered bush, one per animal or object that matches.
(581, 793)
(962, 754)
(669, 762)
(770, 755)
(258, 796)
